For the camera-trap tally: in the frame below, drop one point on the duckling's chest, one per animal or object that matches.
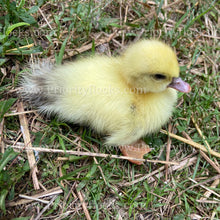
(151, 111)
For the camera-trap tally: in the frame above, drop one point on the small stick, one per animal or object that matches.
(158, 173)
(50, 192)
(45, 208)
(168, 152)
(45, 18)
(200, 132)
(210, 36)
(42, 186)
(84, 205)
(88, 46)
(100, 169)
(205, 156)
(2, 144)
(208, 201)
(19, 113)
(34, 199)
(27, 142)
(192, 143)
(207, 194)
(204, 187)
(154, 11)
(10, 52)
(198, 184)
(81, 153)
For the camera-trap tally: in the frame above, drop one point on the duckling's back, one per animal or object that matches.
(88, 91)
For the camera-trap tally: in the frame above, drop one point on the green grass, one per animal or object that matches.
(189, 26)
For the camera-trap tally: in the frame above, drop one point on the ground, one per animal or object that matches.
(66, 186)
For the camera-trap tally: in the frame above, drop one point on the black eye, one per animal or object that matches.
(159, 76)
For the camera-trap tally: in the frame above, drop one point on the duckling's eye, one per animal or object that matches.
(159, 76)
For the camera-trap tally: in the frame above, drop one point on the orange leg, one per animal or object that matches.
(136, 150)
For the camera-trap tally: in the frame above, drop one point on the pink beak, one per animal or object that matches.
(178, 84)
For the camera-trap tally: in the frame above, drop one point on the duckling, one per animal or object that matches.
(124, 97)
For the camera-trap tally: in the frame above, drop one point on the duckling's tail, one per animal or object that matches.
(38, 86)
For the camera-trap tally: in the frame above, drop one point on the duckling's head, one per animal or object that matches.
(152, 66)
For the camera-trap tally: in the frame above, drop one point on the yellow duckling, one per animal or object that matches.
(123, 97)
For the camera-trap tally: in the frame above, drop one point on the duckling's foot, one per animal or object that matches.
(136, 150)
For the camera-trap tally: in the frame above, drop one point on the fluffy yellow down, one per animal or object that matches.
(121, 97)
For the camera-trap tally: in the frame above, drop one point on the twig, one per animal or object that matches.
(168, 152)
(88, 46)
(210, 162)
(204, 155)
(45, 208)
(200, 132)
(157, 195)
(100, 169)
(50, 192)
(183, 164)
(2, 144)
(210, 36)
(208, 193)
(84, 205)
(81, 153)
(27, 142)
(198, 184)
(19, 113)
(154, 11)
(45, 18)
(163, 162)
(204, 187)
(10, 52)
(42, 186)
(33, 199)
(192, 143)
(208, 201)
(61, 174)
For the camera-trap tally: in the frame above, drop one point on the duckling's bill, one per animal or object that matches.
(180, 85)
